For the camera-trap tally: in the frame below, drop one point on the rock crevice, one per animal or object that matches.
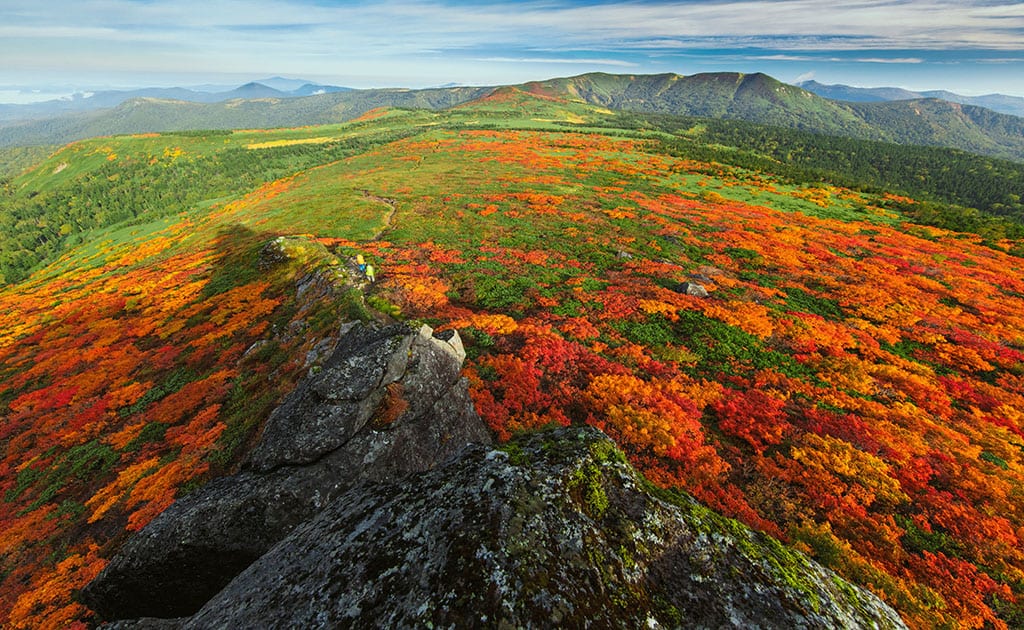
(553, 530)
(321, 441)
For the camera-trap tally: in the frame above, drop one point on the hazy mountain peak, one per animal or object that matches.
(1002, 103)
(283, 84)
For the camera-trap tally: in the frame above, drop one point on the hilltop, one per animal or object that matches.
(762, 99)
(754, 98)
(838, 365)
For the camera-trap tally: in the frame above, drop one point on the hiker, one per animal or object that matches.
(369, 274)
(361, 263)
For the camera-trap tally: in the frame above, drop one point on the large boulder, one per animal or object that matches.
(389, 401)
(692, 288)
(553, 530)
(375, 500)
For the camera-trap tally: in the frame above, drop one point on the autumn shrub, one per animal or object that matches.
(802, 301)
(852, 385)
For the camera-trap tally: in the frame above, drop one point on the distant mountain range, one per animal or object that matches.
(755, 98)
(1013, 105)
(275, 87)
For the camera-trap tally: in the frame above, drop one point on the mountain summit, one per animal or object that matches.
(754, 98)
(817, 336)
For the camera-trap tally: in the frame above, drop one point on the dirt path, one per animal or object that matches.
(390, 203)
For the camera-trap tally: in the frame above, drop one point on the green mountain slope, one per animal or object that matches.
(755, 98)
(145, 115)
(942, 123)
(795, 354)
(762, 99)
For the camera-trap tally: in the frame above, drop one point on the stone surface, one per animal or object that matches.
(554, 530)
(375, 500)
(694, 289)
(327, 436)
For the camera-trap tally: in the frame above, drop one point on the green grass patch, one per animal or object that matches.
(803, 302)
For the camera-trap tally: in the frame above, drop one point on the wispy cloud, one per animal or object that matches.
(1002, 60)
(419, 37)
(889, 60)
(833, 59)
(552, 60)
(805, 23)
(791, 58)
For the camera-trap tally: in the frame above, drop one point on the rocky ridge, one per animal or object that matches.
(375, 500)
(554, 530)
(388, 401)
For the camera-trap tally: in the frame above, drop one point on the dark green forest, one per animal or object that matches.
(36, 227)
(960, 191)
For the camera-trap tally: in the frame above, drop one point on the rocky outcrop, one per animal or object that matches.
(389, 401)
(375, 500)
(692, 288)
(553, 530)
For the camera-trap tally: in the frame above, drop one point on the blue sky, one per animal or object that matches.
(968, 46)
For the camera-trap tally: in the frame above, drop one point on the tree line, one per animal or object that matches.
(966, 192)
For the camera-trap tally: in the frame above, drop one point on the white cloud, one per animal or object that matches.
(784, 58)
(398, 37)
(889, 60)
(552, 60)
(939, 24)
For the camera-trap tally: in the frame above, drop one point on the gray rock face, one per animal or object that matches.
(369, 366)
(374, 500)
(555, 530)
(389, 401)
(694, 289)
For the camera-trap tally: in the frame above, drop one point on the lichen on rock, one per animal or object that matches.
(554, 529)
(375, 499)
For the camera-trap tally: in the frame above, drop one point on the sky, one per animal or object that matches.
(52, 46)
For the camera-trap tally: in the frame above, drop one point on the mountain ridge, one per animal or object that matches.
(762, 99)
(1002, 103)
(104, 99)
(752, 97)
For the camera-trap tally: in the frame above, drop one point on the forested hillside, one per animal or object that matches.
(147, 115)
(800, 355)
(755, 98)
(976, 194)
(960, 191)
